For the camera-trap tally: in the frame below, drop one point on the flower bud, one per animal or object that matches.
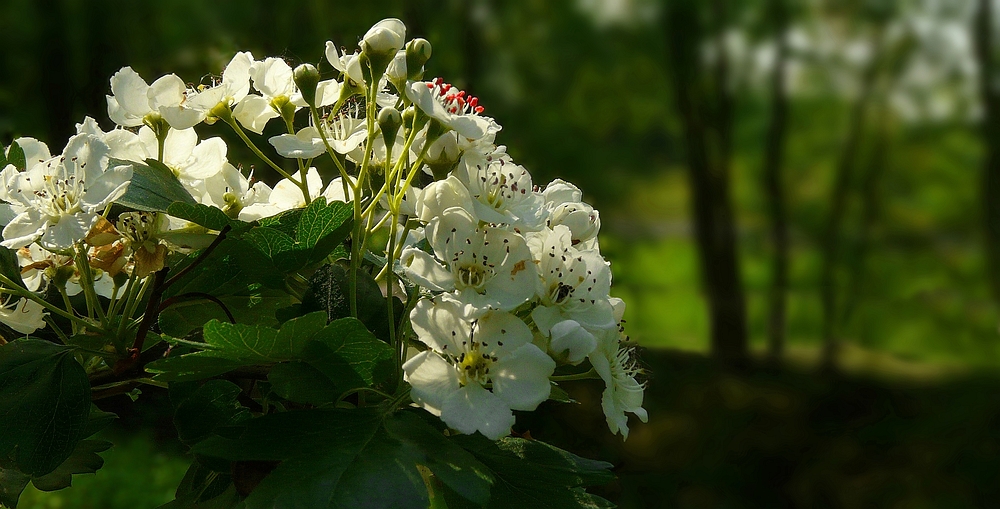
(306, 77)
(381, 43)
(418, 52)
(442, 155)
(389, 120)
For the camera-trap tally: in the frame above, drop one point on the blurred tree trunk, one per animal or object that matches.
(830, 242)
(774, 148)
(706, 120)
(983, 35)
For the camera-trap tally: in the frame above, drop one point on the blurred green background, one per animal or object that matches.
(800, 201)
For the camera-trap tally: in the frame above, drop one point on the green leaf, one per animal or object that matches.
(349, 355)
(329, 458)
(153, 187)
(529, 473)
(299, 382)
(453, 466)
(44, 405)
(278, 247)
(10, 267)
(256, 309)
(329, 291)
(3, 156)
(210, 217)
(323, 226)
(212, 405)
(84, 460)
(190, 367)
(229, 346)
(15, 156)
(12, 483)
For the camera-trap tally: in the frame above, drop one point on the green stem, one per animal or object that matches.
(13, 288)
(59, 332)
(356, 240)
(333, 154)
(281, 171)
(589, 375)
(87, 282)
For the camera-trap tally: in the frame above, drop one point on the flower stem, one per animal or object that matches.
(589, 375)
(281, 171)
(15, 289)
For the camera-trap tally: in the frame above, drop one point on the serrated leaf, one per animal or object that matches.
(453, 466)
(44, 405)
(153, 187)
(257, 309)
(322, 226)
(15, 156)
(278, 247)
(212, 405)
(299, 382)
(329, 458)
(349, 355)
(529, 473)
(84, 460)
(185, 368)
(210, 217)
(229, 346)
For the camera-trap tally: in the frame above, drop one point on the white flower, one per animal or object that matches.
(486, 267)
(230, 191)
(384, 38)
(273, 78)
(449, 106)
(502, 192)
(63, 196)
(133, 99)
(349, 64)
(572, 284)
(564, 205)
(618, 369)
(450, 379)
(571, 342)
(285, 196)
(38, 264)
(304, 144)
(235, 85)
(441, 195)
(26, 316)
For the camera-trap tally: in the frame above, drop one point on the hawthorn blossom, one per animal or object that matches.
(197, 104)
(564, 206)
(502, 192)
(572, 284)
(63, 197)
(451, 107)
(485, 267)
(616, 366)
(133, 100)
(475, 371)
(24, 316)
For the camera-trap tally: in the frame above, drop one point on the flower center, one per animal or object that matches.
(138, 227)
(473, 276)
(60, 196)
(455, 101)
(342, 124)
(502, 185)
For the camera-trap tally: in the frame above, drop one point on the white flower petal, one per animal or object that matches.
(439, 324)
(570, 337)
(24, 229)
(522, 378)
(253, 113)
(26, 317)
(110, 186)
(425, 271)
(472, 408)
(167, 90)
(432, 379)
(130, 90)
(305, 144)
(68, 230)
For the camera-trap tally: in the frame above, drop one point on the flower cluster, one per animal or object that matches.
(506, 278)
